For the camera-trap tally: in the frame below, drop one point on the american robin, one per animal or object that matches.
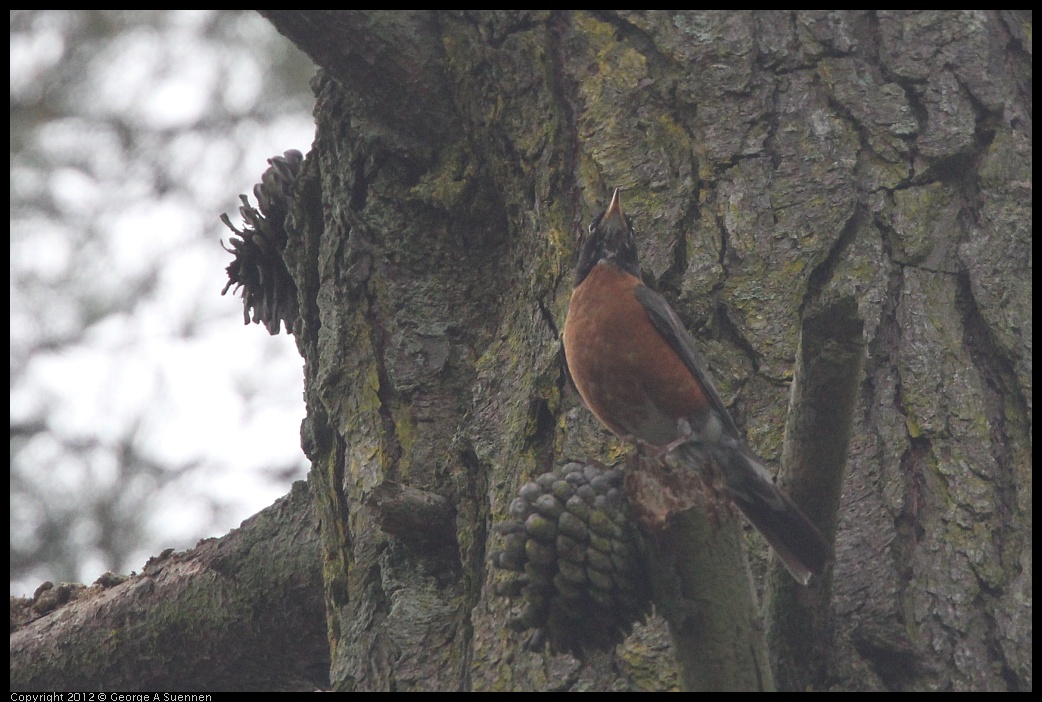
(638, 371)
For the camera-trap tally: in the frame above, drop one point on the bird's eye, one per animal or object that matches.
(593, 225)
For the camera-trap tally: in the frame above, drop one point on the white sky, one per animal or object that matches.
(227, 395)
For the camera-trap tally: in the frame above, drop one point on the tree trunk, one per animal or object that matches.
(869, 170)
(838, 202)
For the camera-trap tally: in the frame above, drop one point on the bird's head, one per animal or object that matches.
(610, 240)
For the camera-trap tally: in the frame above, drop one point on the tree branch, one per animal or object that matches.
(241, 612)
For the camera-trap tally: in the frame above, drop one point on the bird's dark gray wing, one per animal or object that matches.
(672, 330)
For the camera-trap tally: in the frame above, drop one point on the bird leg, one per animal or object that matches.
(660, 453)
(641, 444)
(686, 435)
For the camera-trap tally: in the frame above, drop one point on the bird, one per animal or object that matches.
(637, 369)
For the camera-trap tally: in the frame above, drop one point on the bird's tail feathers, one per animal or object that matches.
(799, 544)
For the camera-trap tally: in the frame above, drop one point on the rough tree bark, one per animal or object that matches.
(839, 197)
(869, 169)
(242, 612)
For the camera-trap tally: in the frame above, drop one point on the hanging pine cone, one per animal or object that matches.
(571, 538)
(258, 268)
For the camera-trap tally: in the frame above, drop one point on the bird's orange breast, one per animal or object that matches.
(628, 374)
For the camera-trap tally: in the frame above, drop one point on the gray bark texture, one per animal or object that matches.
(839, 194)
(837, 204)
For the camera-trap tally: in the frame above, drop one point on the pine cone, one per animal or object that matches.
(572, 538)
(258, 268)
